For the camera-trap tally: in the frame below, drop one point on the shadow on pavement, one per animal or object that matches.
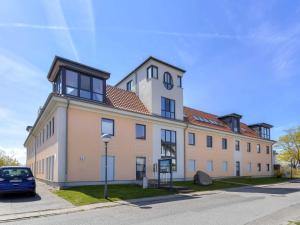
(19, 197)
(265, 190)
(146, 204)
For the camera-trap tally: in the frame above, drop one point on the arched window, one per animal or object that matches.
(168, 81)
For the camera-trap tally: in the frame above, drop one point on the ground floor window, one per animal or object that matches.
(140, 167)
(192, 165)
(168, 146)
(258, 167)
(50, 168)
(210, 166)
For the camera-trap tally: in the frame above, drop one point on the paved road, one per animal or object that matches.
(266, 205)
(20, 203)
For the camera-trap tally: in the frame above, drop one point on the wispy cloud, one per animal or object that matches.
(55, 15)
(42, 27)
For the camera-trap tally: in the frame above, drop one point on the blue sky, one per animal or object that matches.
(240, 56)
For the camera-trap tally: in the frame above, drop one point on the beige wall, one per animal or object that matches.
(84, 139)
(202, 154)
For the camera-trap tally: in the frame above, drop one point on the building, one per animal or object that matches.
(145, 115)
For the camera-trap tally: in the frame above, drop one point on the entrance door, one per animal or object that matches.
(140, 168)
(237, 168)
(110, 168)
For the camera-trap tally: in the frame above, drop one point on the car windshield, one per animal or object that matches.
(15, 172)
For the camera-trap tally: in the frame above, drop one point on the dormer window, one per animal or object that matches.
(168, 81)
(262, 129)
(83, 86)
(152, 72)
(233, 121)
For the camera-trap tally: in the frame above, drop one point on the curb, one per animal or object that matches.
(132, 202)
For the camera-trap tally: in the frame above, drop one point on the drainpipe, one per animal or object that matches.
(66, 138)
(184, 151)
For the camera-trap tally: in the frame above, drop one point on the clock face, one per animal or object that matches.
(168, 81)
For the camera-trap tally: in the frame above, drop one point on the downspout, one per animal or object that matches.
(184, 151)
(67, 128)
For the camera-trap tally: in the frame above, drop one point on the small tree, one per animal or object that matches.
(289, 145)
(6, 160)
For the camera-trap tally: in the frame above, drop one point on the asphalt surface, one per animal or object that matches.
(275, 204)
(21, 203)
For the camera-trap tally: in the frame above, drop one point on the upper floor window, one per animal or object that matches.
(248, 147)
(265, 132)
(168, 81)
(108, 126)
(152, 72)
(84, 86)
(71, 83)
(140, 131)
(224, 143)
(179, 81)
(167, 108)
(237, 145)
(268, 149)
(258, 148)
(209, 141)
(235, 125)
(129, 85)
(191, 139)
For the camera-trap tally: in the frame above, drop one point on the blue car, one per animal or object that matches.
(15, 179)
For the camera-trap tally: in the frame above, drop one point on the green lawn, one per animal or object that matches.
(94, 194)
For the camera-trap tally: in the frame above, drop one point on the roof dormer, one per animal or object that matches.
(73, 79)
(262, 129)
(233, 121)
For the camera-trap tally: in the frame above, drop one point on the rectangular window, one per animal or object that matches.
(168, 146)
(85, 87)
(258, 148)
(167, 108)
(268, 167)
(152, 72)
(98, 91)
(140, 167)
(129, 85)
(210, 166)
(225, 166)
(268, 149)
(43, 135)
(209, 141)
(52, 125)
(191, 139)
(50, 128)
(248, 147)
(258, 167)
(237, 145)
(192, 165)
(71, 83)
(179, 81)
(224, 143)
(47, 131)
(249, 167)
(140, 131)
(107, 126)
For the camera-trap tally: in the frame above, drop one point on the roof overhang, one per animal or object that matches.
(147, 60)
(261, 125)
(59, 62)
(231, 115)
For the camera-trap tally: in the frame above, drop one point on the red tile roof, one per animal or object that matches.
(129, 101)
(126, 100)
(190, 113)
